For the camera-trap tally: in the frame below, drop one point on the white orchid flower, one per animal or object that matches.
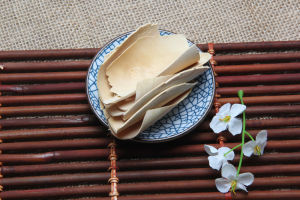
(256, 147)
(226, 118)
(230, 180)
(216, 157)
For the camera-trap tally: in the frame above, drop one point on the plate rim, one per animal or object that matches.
(166, 139)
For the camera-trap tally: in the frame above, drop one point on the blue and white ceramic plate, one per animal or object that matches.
(179, 121)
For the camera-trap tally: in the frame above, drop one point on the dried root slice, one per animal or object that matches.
(106, 96)
(147, 58)
(204, 58)
(150, 112)
(182, 77)
(143, 87)
(148, 88)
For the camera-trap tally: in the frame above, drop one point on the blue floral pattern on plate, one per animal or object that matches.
(179, 121)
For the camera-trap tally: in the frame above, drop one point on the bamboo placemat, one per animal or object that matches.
(53, 147)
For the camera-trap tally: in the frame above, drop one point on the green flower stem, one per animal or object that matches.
(237, 146)
(250, 136)
(241, 94)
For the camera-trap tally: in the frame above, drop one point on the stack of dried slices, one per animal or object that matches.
(145, 77)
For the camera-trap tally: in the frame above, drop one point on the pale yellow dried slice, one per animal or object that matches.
(148, 88)
(142, 87)
(121, 107)
(117, 124)
(204, 58)
(147, 85)
(145, 59)
(151, 116)
(189, 73)
(187, 58)
(182, 77)
(106, 96)
(114, 111)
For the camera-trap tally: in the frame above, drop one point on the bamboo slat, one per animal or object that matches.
(56, 192)
(43, 88)
(252, 58)
(259, 79)
(43, 77)
(56, 144)
(57, 179)
(45, 66)
(45, 98)
(284, 109)
(87, 131)
(257, 46)
(45, 109)
(55, 156)
(267, 89)
(273, 134)
(53, 121)
(47, 54)
(57, 167)
(257, 68)
(261, 123)
(263, 99)
(267, 110)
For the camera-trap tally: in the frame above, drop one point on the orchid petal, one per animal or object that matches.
(215, 162)
(224, 150)
(223, 185)
(224, 162)
(246, 178)
(249, 148)
(216, 125)
(230, 156)
(235, 126)
(261, 137)
(241, 186)
(224, 110)
(262, 148)
(237, 109)
(228, 171)
(210, 150)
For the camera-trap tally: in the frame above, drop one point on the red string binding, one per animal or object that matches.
(217, 105)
